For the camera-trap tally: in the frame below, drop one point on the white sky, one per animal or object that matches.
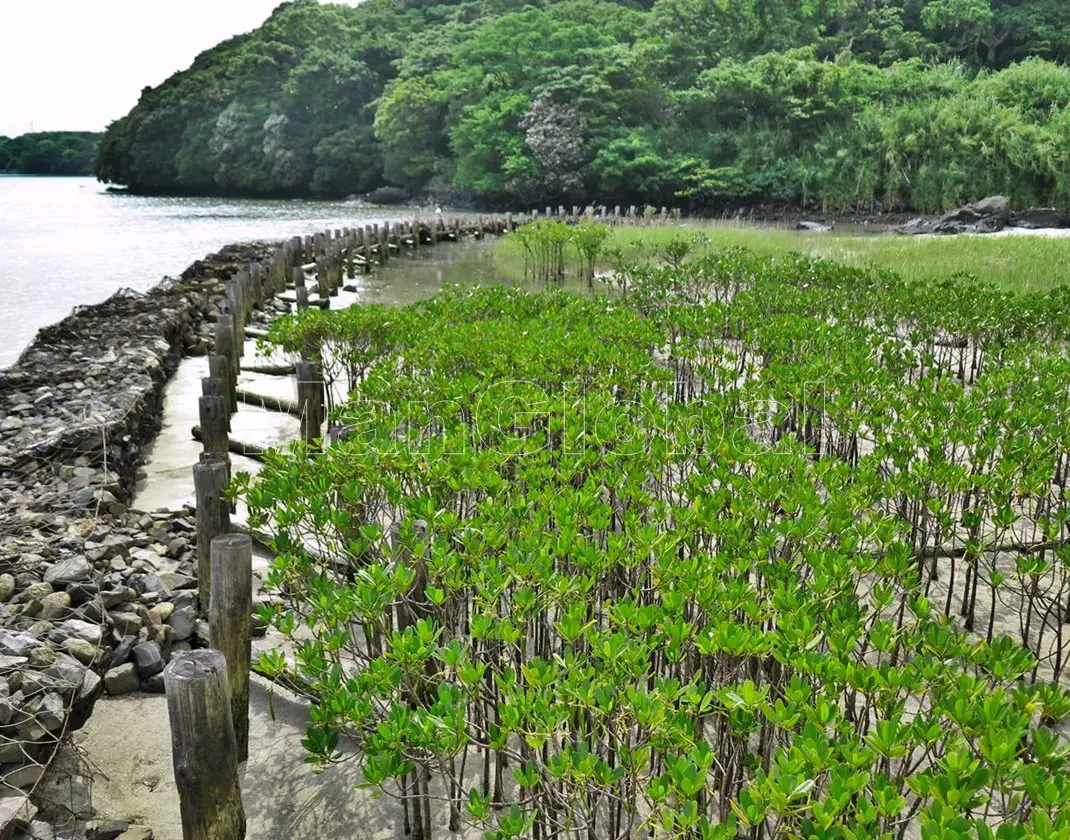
(79, 64)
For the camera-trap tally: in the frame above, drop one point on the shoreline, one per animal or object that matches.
(94, 597)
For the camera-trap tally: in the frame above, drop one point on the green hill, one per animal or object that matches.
(841, 104)
(49, 153)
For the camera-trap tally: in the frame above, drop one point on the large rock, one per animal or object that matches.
(1039, 218)
(71, 570)
(183, 623)
(121, 680)
(985, 216)
(148, 660)
(15, 812)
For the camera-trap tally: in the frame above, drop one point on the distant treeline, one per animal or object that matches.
(840, 104)
(50, 153)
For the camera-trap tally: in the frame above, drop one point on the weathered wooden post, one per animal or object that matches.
(415, 228)
(323, 282)
(367, 243)
(229, 617)
(210, 479)
(214, 420)
(384, 238)
(236, 309)
(309, 400)
(302, 297)
(219, 368)
(226, 346)
(203, 748)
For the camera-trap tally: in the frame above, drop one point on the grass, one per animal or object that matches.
(1016, 263)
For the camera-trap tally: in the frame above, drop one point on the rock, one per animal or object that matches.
(7, 705)
(71, 570)
(104, 830)
(11, 423)
(162, 611)
(182, 622)
(15, 811)
(121, 680)
(78, 629)
(67, 672)
(81, 650)
(995, 205)
(40, 830)
(42, 657)
(176, 546)
(815, 227)
(53, 606)
(986, 216)
(137, 832)
(11, 752)
(124, 649)
(50, 711)
(125, 623)
(22, 777)
(7, 587)
(916, 226)
(148, 660)
(153, 684)
(8, 663)
(17, 645)
(33, 592)
(1039, 218)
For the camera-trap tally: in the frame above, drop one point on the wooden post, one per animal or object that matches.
(226, 346)
(203, 748)
(219, 368)
(214, 419)
(366, 241)
(309, 400)
(415, 228)
(297, 276)
(210, 479)
(229, 618)
(302, 297)
(323, 283)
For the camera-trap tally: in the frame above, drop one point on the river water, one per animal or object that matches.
(66, 242)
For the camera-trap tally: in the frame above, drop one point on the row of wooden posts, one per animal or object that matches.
(208, 690)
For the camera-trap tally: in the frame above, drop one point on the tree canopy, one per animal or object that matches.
(49, 153)
(842, 104)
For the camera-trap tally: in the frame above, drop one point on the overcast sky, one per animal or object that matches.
(79, 64)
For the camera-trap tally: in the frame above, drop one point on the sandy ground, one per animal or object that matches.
(128, 741)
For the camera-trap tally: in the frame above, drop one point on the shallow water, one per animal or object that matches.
(68, 242)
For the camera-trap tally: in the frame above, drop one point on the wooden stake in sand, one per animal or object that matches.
(229, 618)
(203, 747)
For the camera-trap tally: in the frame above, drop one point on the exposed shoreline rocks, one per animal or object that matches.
(989, 215)
(94, 598)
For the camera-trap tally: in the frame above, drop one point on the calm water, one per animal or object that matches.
(65, 242)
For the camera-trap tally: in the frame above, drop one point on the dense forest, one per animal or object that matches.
(837, 104)
(49, 153)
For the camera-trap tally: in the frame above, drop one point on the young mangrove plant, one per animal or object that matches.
(754, 548)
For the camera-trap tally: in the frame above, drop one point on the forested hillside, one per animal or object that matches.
(838, 104)
(49, 153)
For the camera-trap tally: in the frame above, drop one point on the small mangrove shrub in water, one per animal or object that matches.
(756, 548)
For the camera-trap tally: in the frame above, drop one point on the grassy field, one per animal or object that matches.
(1016, 262)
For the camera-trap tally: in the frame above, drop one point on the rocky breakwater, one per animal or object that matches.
(93, 597)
